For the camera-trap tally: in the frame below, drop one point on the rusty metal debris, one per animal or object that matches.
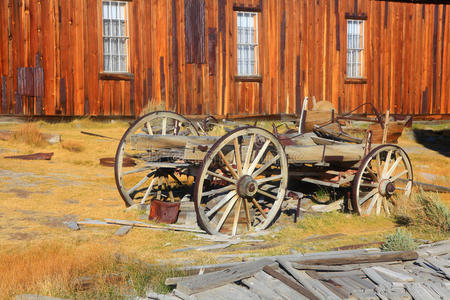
(98, 135)
(35, 156)
(164, 212)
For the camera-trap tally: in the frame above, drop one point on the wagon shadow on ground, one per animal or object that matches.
(438, 140)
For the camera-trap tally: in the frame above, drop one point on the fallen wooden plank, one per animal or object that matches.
(439, 265)
(375, 277)
(204, 247)
(439, 289)
(395, 275)
(418, 291)
(322, 237)
(312, 285)
(338, 268)
(93, 222)
(358, 258)
(123, 230)
(292, 284)
(247, 248)
(146, 225)
(226, 292)
(357, 246)
(219, 278)
(261, 288)
(278, 287)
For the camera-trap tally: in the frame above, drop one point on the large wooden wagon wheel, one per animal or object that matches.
(242, 182)
(384, 177)
(151, 176)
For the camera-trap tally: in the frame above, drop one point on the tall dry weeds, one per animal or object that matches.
(29, 133)
(50, 269)
(424, 210)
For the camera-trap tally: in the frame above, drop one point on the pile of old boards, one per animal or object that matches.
(354, 274)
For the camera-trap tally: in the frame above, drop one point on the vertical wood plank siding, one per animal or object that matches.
(182, 55)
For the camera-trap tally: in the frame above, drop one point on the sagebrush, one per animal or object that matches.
(399, 241)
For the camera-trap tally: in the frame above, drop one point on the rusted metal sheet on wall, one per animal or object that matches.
(18, 104)
(4, 95)
(25, 81)
(194, 14)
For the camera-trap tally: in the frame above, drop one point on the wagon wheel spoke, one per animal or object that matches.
(214, 174)
(258, 157)
(265, 166)
(372, 203)
(378, 164)
(139, 170)
(140, 183)
(386, 163)
(368, 184)
(237, 212)
(219, 191)
(237, 156)
(249, 154)
(386, 207)
(221, 203)
(227, 212)
(149, 189)
(227, 164)
(266, 194)
(269, 179)
(164, 126)
(379, 201)
(258, 206)
(149, 128)
(368, 196)
(393, 167)
(372, 174)
(247, 215)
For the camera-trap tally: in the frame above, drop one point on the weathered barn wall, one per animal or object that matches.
(191, 68)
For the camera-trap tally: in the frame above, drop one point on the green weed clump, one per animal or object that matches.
(425, 211)
(399, 241)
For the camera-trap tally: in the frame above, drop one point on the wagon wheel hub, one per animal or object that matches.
(247, 186)
(386, 187)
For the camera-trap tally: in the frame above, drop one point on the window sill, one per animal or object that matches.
(116, 76)
(254, 78)
(355, 80)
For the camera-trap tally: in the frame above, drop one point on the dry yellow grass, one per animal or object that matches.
(50, 268)
(72, 146)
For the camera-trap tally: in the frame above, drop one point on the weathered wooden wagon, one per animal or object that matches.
(240, 179)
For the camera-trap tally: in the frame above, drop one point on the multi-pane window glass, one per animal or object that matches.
(115, 36)
(247, 44)
(355, 48)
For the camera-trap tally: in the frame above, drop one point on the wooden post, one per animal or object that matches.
(385, 130)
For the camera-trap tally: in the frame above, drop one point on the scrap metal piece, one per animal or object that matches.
(35, 156)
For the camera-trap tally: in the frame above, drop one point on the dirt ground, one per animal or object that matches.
(36, 197)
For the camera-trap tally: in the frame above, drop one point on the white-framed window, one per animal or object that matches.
(355, 48)
(247, 43)
(115, 36)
